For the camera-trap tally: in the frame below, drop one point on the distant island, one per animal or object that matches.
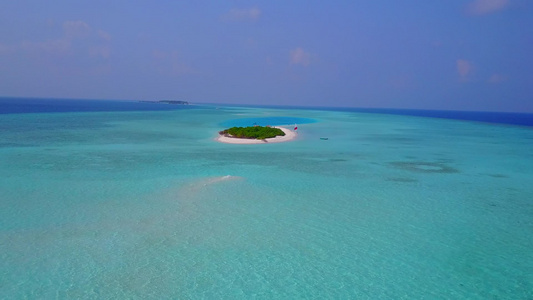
(175, 102)
(252, 132)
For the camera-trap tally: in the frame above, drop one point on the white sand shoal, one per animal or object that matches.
(289, 135)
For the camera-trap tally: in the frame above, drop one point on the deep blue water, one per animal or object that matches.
(42, 105)
(38, 105)
(521, 119)
(510, 118)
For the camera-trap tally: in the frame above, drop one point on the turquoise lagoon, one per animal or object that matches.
(147, 205)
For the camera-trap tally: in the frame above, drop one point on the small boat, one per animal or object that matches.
(324, 138)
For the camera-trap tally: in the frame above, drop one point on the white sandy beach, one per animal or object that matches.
(289, 135)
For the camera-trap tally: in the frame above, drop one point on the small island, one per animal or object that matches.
(253, 132)
(255, 135)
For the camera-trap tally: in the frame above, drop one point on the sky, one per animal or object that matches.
(450, 55)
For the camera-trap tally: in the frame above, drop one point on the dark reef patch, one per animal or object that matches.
(498, 175)
(337, 159)
(401, 179)
(424, 167)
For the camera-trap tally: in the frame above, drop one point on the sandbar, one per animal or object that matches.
(289, 135)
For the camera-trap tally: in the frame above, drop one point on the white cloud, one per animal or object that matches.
(96, 42)
(104, 35)
(76, 29)
(497, 78)
(437, 44)
(101, 50)
(299, 57)
(159, 55)
(464, 68)
(78, 38)
(248, 14)
(54, 47)
(483, 7)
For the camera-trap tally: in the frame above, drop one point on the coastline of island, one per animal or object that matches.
(289, 135)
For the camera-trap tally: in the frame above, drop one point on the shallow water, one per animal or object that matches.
(147, 205)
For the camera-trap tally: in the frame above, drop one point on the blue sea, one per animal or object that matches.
(135, 200)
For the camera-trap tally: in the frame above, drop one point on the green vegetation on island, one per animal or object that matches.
(253, 132)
